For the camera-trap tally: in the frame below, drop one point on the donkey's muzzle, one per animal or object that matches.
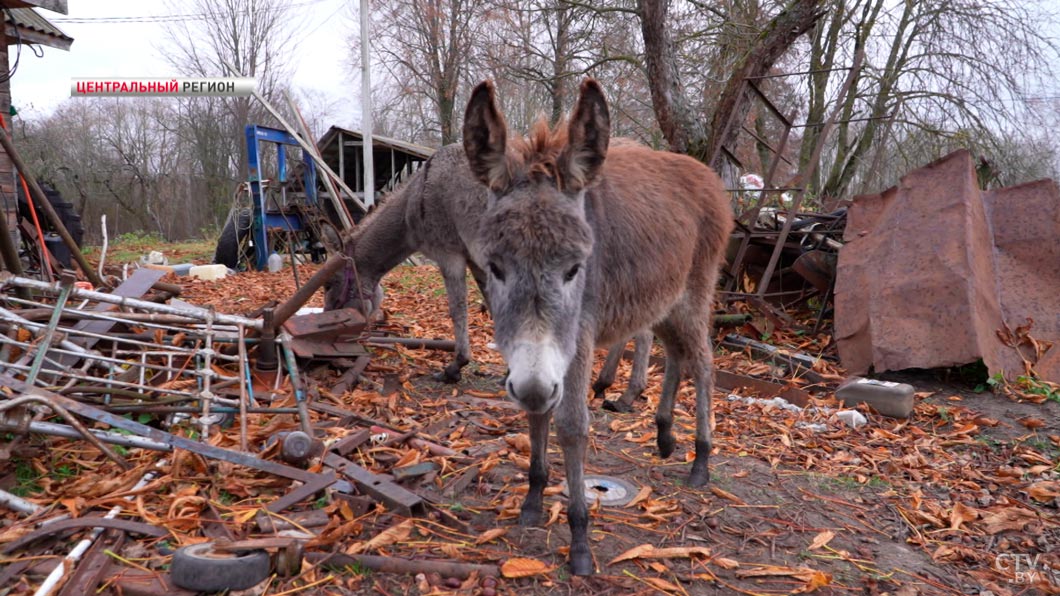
(534, 395)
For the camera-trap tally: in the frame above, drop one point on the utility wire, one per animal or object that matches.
(164, 18)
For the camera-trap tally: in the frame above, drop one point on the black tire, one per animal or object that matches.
(232, 246)
(197, 567)
(69, 217)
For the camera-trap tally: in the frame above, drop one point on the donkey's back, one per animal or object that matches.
(661, 221)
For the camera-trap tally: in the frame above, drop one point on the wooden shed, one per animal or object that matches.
(394, 161)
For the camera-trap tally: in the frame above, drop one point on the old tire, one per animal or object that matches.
(198, 567)
(232, 246)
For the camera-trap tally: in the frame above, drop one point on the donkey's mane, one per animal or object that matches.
(538, 153)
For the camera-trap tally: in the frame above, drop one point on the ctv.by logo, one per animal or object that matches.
(1026, 569)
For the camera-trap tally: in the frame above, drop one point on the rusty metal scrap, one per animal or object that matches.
(936, 270)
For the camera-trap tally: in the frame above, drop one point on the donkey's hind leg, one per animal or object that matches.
(687, 340)
(606, 378)
(701, 364)
(453, 273)
(638, 379)
(664, 416)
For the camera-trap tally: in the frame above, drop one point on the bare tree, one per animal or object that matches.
(698, 129)
(424, 48)
(256, 37)
(940, 73)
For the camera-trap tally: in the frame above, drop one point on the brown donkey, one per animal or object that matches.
(583, 247)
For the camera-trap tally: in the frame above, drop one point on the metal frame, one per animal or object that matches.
(265, 221)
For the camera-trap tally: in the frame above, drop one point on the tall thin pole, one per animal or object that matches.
(366, 110)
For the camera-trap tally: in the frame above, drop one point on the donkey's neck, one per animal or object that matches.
(382, 241)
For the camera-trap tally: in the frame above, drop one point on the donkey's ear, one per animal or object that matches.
(588, 135)
(486, 138)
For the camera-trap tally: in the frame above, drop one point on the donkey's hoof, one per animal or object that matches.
(581, 560)
(699, 477)
(530, 518)
(617, 406)
(666, 444)
(599, 387)
(447, 376)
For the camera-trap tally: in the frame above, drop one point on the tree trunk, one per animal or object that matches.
(772, 42)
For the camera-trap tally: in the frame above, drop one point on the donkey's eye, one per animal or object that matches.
(496, 271)
(569, 275)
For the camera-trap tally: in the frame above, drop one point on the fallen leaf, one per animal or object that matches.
(553, 513)
(661, 584)
(727, 495)
(520, 443)
(821, 539)
(647, 551)
(725, 563)
(960, 514)
(493, 534)
(642, 494)
(519, 567)
(803, 573)
(396, 533)
(1009, 518)
(1044, 491)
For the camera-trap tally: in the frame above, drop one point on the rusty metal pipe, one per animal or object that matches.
(287, 309)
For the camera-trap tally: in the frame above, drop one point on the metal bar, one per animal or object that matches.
(296, 383)
(18, 503)
(810, 169)
(235, 457)
(333, 193)
(6, 279)
(303, 492)
(242, 392)
(67, 284)
(283, 122)
(79, 523)
(768, 103)
(69, 432)
(379, 488)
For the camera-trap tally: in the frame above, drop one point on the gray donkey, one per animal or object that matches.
(437, 213)
(585, 246)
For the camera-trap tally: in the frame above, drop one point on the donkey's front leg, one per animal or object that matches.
(572, 429)
(453, 273)
(530, 515)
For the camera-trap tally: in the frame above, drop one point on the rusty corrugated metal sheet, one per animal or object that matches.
(934, 268)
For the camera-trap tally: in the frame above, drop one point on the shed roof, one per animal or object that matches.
(29, 26)
(378, 142)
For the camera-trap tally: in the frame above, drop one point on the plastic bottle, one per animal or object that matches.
(275, 262)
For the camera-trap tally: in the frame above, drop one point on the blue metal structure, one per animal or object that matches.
(276, 219)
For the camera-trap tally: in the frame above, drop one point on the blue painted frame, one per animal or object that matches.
(264, 220)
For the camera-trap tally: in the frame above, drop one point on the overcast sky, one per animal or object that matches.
(106, 48)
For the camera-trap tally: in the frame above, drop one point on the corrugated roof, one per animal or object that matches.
(27, 18)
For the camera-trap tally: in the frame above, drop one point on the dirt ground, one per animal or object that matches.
(960, 499)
